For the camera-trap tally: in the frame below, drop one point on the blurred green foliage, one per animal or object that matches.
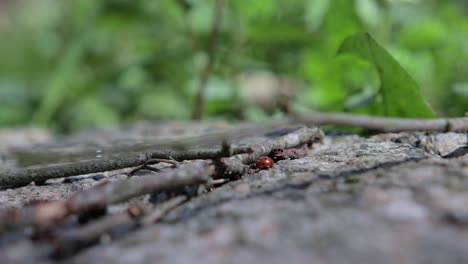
(89, 63)
(399, 94)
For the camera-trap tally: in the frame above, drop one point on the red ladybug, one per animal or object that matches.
(265, 162)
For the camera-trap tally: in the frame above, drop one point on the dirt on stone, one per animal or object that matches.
(388, 198)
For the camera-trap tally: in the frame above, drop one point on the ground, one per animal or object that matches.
(387, 198)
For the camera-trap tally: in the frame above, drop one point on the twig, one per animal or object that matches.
(196, 172)
(219, 181)
(72, 241)
(235, 165)
(145, 166)
(211, 52)
(162, 210)
(27, 175)
(383, 124)
(49, 213)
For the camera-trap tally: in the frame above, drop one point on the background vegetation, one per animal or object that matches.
(90, 63)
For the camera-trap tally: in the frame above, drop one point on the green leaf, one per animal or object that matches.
(400, 93)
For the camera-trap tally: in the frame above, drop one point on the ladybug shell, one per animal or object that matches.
(265, 162)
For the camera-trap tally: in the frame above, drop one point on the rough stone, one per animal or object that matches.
(353, 199)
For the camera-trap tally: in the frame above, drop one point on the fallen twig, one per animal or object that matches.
(236, 165)
(72, 241)
(162, 210)
(145, 166)
(49, 213)
(26, 175)
(383, 124)
(219, 181)
(98, 197)
(196, 172)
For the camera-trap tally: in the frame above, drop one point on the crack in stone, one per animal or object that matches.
(461, 151)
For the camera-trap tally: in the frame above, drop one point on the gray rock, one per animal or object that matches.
(384, 199)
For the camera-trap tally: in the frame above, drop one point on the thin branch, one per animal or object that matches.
(235, 165)
(160, 211)
(211, 52)
(146, 166)
(24, 176)
(197, 172)
(383, 124)
(46, 214)
(49, 213)
(72, 241)
(379, 124)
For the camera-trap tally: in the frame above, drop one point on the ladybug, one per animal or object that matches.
(265, 162)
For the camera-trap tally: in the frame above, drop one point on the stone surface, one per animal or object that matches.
(385, 199)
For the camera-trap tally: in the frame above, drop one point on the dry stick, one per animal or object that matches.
(197, 172)
(27, 175)
(122, 190)
(145, 166)
(72, 241)
(160, 211)
(384, 124)
(211, 51)
(235, 165)
(49, 213)
(76, 239)
(209, 139)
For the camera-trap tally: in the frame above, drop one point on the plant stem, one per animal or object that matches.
(211, 53)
